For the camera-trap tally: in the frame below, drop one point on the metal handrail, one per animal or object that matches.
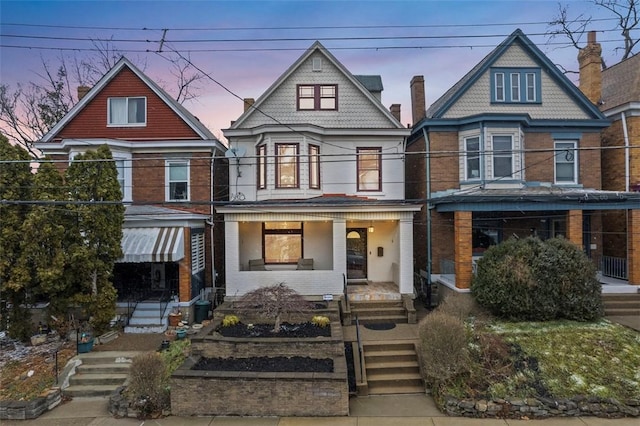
(164, 303)
(344, 290)
(360, 349)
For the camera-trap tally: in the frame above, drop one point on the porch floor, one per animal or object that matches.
(373, 291)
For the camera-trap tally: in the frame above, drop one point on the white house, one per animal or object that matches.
(316, 185)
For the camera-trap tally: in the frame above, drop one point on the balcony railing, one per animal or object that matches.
(613, 267)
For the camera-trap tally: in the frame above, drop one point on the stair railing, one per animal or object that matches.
(164, 303)
(360, 349)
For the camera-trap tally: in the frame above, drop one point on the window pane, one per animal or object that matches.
(499, 86)
(502, 156)
(120, 169)
(314, 166)
(178, 171)
(515, 87)
(502, 167)
(473, 157)
(287, 166)
(565, 162)
(282, 225)
(136, 110)
(306, 103)
(118, 110)
(262, 167)
(282, 248)
(327, 103)
(306, 91)
(328, 91)
(178, 190)
(369, 175)
(531, 87)
(306, 97)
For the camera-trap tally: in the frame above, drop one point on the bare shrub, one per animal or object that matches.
(148, 390)
(273, 303)
(460, 306)
(443, 347)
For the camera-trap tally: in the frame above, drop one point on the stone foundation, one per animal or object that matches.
(25, 410)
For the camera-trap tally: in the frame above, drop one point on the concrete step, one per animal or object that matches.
(624, 304)
(376, 312)
(620, 312)
(108, 357)
(395, 319)
(395, 345)
(620, 296)
(98, 379)
(370, 304)
(390, 356)
(120, 368)
(82, 391)
(374, 389)
(392, 368)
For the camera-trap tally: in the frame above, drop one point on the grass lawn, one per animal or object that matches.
(555, 359)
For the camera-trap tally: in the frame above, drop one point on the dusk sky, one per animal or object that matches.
(246, 45)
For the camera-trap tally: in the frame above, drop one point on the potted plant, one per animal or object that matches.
(175, 317)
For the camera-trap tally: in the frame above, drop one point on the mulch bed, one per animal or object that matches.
(306, 329)
(274, 364)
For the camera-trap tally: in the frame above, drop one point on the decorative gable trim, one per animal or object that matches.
(315, 47)
(444, 103)
(180, 110)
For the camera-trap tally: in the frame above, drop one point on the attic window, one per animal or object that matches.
(516, 85)
(317, 64)
(127, 111)
(317, 97)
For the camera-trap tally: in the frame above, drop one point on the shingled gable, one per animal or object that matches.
(315, 47)
(199, 128)
(442, 105)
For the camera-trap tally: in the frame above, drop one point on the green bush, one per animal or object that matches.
(530, 279)
(443, 347)
(148, 390)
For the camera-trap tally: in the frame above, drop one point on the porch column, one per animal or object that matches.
(633, 246)
(340, 246)
(184, 269)
(405, 282)
(462, 224)
(574, 227)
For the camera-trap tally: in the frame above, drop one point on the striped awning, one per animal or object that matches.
(152, 245)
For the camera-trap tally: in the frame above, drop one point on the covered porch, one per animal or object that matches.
(318, 249)
(485, 218)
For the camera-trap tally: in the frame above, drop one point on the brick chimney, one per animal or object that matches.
(418, 101)
(590, 60)
(395, 111)
(248, 102)
(82, 91)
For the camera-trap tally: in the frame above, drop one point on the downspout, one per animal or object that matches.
(427, 159)
(626, 151)
(212, 224)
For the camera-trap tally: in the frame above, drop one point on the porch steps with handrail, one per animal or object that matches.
(392, 368)
(99, 373)
(379, 311)
(148, 318)
(621, 304)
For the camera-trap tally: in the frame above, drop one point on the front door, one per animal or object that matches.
(356, 253)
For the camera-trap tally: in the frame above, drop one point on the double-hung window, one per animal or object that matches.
(566, 166)
(317, 97)
(314, 167)
(261, 158)
(282, 242)
(472, 153)
(502, 156)
(369, 163)
(515, 85)
(127, 111)
(287, 165)
(177, 180)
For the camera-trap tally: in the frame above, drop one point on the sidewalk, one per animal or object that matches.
(394, 410)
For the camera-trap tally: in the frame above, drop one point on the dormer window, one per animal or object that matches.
(316, 97)
(515, 85)
(127, 111)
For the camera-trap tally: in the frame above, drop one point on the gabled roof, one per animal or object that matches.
(372, 83)
(315, 47)
(440, 106)
(180, 110)
(621, 83)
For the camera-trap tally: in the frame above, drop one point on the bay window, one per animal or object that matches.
(502, 156)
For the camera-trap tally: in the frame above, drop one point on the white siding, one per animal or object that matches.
(555, 101)
(355, 110)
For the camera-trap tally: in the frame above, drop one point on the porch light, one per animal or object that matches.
(371, 229)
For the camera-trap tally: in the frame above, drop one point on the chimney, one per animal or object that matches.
(395, 111)
(590, 61)
(82, 91)
(418, 101)
(248, 102)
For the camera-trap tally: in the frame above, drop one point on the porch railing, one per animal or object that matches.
(448, 269)
(613, 267)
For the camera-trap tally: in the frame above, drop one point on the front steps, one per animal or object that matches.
(621, 304)
(392, 368)
(146, 318)
(99, 374)
(379, 311)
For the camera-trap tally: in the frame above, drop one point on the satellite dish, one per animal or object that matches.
(235, 152)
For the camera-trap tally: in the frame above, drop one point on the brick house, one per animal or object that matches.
(168, 165)
(317, 171)
(512, 149)
(616, 90)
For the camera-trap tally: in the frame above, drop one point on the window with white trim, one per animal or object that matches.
(127, 111)
(369, 165)
(472, 158)
(566, 166)
(197, 252)
(502, 146)
(177, 180)
(524, 85)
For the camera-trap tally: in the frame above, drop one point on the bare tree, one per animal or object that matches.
(273, 302)
(626, 13)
